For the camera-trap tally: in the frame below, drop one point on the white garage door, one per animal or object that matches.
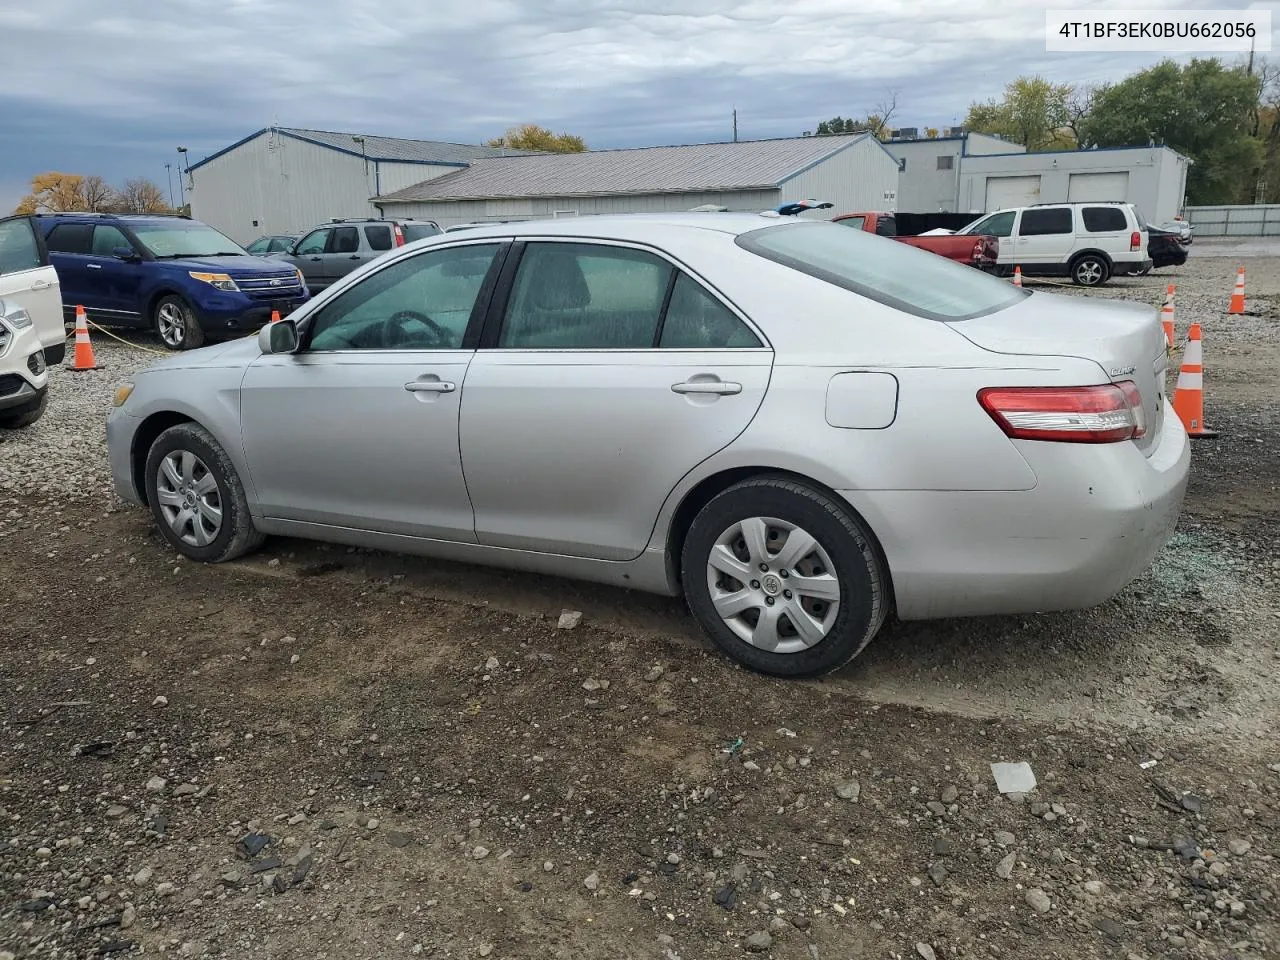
(1005, 192)
(1091, 187)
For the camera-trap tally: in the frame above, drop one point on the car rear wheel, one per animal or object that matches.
(24, 416)
(197, 498)
(1090, 270)
(784, 578)
(176, 324)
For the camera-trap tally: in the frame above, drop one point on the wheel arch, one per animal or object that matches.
(143, 438)
(1091, 251)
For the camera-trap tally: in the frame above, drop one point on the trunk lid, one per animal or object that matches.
(1124, 339)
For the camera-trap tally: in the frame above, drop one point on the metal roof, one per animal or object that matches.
(387, 149)
(741, 165)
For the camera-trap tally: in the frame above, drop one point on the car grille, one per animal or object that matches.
(10, 383)
(281, 286)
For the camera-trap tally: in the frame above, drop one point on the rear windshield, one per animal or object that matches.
(416, 231)
(892, 273)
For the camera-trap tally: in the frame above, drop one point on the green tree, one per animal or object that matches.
(530, 136)
(1033, 112)
(1203, 109)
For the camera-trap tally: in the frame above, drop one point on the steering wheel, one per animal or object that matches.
(393, 332)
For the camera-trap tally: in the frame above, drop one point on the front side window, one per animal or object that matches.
(314, 242)
(182, 238)
(18, 248)
(996, 225)
(1104, 219)
(1041, 222)
(106, 239)
(583, 296)
(420, 303)
(856, 222)
(70, 238)
(894, 274)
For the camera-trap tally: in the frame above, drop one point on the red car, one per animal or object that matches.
(974, 251)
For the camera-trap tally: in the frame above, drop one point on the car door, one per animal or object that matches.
(359, 428)
(606, 375)
(28, 279)
(69, 245)
(117, 280)
(999, 225)
(1044, 238)
(308, 256)
(342, 253)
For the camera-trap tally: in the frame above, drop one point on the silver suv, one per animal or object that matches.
(328, 253)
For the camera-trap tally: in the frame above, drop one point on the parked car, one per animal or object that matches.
(1164, 249)
(1088, 242)
(180, 277)
(1181, 228)
(31, 330)
(973, 251)
(794, 424)
(275, 243)
(330, 252)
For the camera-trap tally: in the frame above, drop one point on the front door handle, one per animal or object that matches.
(719, 387)
(42, 285)
(431, 386)
(94, 266)
(315, 259)
(354, 256)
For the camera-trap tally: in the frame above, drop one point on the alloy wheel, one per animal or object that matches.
(189, 498)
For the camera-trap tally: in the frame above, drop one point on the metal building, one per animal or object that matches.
(930, 181)
(1153, 179)
(853, 172)
(286, 179)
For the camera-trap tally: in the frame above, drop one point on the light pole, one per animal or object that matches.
(182, 157)
(168, 172)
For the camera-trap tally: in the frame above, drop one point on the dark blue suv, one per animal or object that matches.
(177, 276)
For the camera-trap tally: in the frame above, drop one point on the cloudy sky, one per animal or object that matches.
(113, 87)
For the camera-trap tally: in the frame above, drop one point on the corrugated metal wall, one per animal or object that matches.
(860, 177)
(1239, 220)
(288, 185)
(448, 213)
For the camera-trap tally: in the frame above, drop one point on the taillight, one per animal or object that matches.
(979, 248)
(395, 227)
(1135, 240)
(1106, 413)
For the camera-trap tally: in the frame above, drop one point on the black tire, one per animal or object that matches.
(236, 535)
(1090, 270)
(864, 582)
(15, 418)
(191, 334)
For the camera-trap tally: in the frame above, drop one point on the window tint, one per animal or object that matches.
(698, 321)
(578, 296)
(313, 242)
(106, 238)
(1039, 222)
(261, 245)
(947, 162)
(996, 225)
(856, 222)
(422, 303)
(886, 227)
(379, 236)
(416, 231)
(278, 244)
(18, 248)
(70, 238)
(343, 240)
(1103, 219)
(895, 274)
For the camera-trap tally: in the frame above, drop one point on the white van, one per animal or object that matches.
(32, 335)
(1088, 242)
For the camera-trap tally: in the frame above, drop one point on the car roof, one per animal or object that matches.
(628, 226)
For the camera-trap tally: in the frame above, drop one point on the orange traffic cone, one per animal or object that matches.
(83, 359)
(1166, 316)
(275, 316)
(1237, 295)
(1017, 276)
(1188, 396)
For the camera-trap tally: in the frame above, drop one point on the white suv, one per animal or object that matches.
(1088, 242)
(32, 334)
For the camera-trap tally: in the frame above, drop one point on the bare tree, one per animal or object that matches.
(880, 115)
(142, 196)
(98, 195)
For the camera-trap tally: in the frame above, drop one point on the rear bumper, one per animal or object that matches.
(1095, 520)
(236, 313)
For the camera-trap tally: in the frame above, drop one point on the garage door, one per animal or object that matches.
(1091, 187)
(1005, 192)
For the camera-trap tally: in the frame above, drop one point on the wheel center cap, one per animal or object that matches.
(771, 584)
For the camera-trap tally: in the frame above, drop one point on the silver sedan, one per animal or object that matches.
(799, 427)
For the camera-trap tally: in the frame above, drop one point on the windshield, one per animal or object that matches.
(185, 239)
(891, 273)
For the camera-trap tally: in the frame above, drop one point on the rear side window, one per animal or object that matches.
(343, 240)
(18, 248)
(379, 236)
(695, 320)
(886, 227)
(1042, 222)
(895, 274)
(416, 231)
(1104, 219)
(70, 238)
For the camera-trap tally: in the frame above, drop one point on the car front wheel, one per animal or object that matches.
(24, 416)
(196, 496)
(176, 325)
(784, 578)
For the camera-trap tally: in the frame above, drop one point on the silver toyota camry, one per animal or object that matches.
(799, 427)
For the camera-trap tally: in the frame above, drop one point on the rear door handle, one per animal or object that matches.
(42, 285)
(718, 387)
(94, 266)
(431, 386)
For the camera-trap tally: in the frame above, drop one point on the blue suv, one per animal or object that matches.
(178, 276)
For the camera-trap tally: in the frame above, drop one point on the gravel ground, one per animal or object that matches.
(437, 770)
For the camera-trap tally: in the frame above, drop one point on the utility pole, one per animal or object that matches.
(182, 155)
(168, 173)
(735, 124)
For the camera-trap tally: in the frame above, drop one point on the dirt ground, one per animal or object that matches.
(321, 753)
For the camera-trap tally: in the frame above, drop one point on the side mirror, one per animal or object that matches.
(279, 337)
(127, 254)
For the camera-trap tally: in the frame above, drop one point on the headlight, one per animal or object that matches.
(219, 280)
(16, 318)
(122, 394)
